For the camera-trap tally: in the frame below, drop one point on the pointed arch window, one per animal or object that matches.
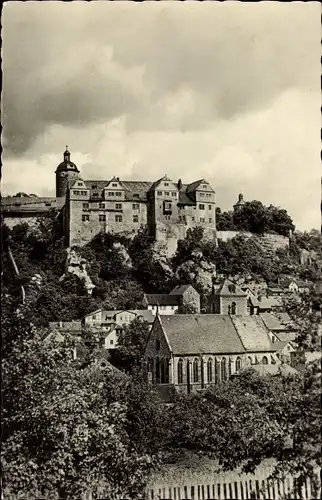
(217, 371)
(238, 364)
(180, 371)
(223, 370)
(265, 360)
(234, 308)
(209, 371)
(196, 370)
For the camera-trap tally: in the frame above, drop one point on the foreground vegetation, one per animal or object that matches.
(68, 425)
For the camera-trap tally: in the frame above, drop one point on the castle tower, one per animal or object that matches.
(66, 174)
(239, 203)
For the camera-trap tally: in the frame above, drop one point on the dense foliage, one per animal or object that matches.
(255, 217)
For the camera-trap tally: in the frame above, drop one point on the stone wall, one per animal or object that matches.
(269, 241)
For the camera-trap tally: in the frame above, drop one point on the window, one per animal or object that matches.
(118, 218)
(167, 217)
(265, 360)
(102, 218)
(234, 308)
(114, 185)
(201, 206)
(118, 193)
(174, 193)
(217, 371)
(202, 194)
(136, 195)
(76, 192)
(85, 206)
(101, 205)
(223, 370)
(135, 206)
(83, 193)
(209, 370)
(111, 341)
(110, 193)
(202, 219)
(238, 364)
(166, 193)
(196, 370)
(159, 193)
(85, 218)
(135, 218)
(210, 219)
(180, 371)
(204, 186)
(118, 206)
(209, 207)
(250, 361)
(95, 195)
(79, 183)
(166, 184)
(193, 219)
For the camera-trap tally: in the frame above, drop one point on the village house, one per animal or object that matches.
(190, 352)
(181, 295)
(109, 323)
(301, 358)
(227, 298)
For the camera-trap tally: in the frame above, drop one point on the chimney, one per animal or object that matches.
(179, 184)
(117, 178)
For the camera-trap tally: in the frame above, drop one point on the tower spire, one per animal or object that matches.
(67, 154)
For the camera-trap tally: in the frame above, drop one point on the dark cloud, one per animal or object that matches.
(83, 63)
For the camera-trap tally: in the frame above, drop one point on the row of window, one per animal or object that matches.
(81, 193)
(102, 218)
(205, 194)
(167, 193)
(222, 372)
(202, 206)
(118, 206)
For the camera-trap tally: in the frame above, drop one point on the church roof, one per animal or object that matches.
(201, 334)
(253, 333)
(272, 322)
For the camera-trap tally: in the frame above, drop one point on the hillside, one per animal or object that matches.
(114, 272)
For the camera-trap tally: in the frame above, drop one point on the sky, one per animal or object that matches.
(229, 92)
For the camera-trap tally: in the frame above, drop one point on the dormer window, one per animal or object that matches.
(166, 184)
(114, 185)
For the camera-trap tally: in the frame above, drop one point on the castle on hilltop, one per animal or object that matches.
(88, 207)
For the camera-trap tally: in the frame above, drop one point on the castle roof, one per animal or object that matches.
(162, 299)
(134, 190)
(66, 164)
(180, 289)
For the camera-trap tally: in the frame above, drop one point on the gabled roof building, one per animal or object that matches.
(193, 351)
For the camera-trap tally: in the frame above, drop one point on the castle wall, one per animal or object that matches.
(272, 241)
(104, 216)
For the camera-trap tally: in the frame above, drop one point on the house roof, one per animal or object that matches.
(253, 333)
(267, 302)
(286, 336)
(201, 333)
(272, 322)
(74, 326)
(280, 344)
(228, 288)
(179, 290)
(253, 300)
(162, 299)
(276, 289)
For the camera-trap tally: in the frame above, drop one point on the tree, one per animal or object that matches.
(131, 341)
(61, 434)
(187, 308)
